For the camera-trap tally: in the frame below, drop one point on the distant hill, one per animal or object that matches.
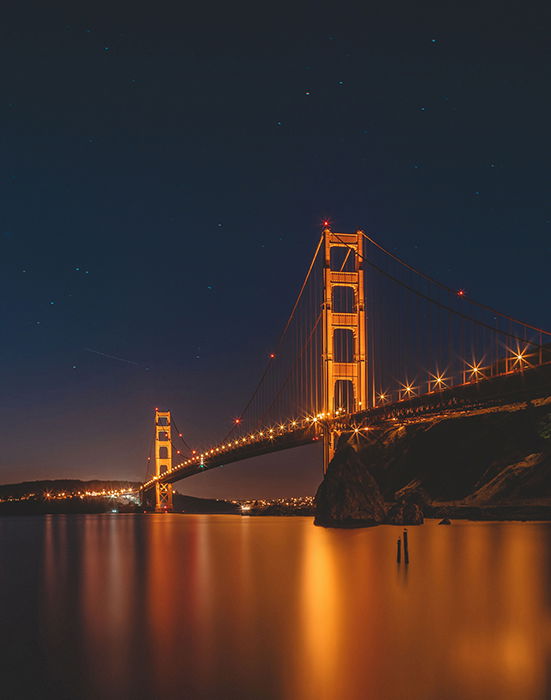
(35, 498)
(191, 504)
(24, 488)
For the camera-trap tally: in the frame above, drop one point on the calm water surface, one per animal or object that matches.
(175, 606)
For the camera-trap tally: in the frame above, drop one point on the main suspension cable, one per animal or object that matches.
(439, 303)
(280, 340)
(449, 289)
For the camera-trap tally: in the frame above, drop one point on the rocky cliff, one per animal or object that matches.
(393, 472)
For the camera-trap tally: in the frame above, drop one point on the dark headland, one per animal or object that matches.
(494, 464)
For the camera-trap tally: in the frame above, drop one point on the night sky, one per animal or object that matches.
(163, 176)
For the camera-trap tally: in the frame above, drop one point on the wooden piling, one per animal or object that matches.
(398, 550)
(406, 548)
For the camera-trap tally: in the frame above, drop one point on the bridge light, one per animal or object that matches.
(439, 380)
(272, 355)
(460, 292)
(237, 421)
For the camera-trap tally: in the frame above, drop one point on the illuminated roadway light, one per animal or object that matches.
(520, 356)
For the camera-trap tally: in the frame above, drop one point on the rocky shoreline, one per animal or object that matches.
(494, 465)
(523, 513)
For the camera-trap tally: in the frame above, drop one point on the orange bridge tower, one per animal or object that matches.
(344, 357)
(163, 460)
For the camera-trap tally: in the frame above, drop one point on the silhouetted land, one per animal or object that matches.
(488, 465)
(63, 485)
(75, 496)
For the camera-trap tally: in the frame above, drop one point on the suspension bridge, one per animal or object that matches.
(369, 339)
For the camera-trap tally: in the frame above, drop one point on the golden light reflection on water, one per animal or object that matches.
(178, 606)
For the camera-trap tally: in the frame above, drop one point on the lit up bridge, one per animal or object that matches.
(369, 339)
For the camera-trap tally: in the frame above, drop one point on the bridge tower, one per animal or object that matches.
(163, 460)
(344, 377)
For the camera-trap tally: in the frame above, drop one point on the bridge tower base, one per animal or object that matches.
(163, 461)
(344, 363)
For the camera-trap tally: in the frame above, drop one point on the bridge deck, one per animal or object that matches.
(505, 389)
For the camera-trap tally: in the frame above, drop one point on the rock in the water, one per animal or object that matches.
(405, 514)
(445, 521)
(349, 496)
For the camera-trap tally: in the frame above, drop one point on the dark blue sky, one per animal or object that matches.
(163, 175)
